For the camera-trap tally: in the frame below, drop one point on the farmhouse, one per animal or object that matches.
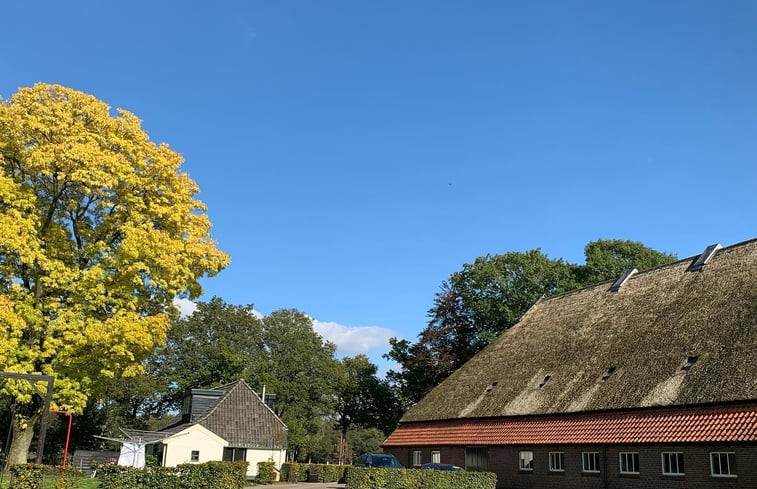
(230, 422)
(645, 382)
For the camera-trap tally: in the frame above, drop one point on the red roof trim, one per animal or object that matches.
(696, 424)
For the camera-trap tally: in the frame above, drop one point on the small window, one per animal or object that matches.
(416, 458)
(689, 363)
(545, 381)
(672, 463)
(723, 464)
(608, 373)
(590, 462)
(526, 460)
(629, 462)
(556, 462)
(234, 454)
(476, 458)
(436, 457)
(195, 456)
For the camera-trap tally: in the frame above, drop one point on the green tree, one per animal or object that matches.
(302, 371)
(99, 231)
(607, 259)
(218, 344)
(363, 401)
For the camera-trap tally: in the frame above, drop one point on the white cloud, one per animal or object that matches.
(185, 306)
(353, 340)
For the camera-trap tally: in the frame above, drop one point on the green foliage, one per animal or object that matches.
(607, 259)
(266, 473)
(25, 476)
(294, 472)
(375, 478)
(216, 475)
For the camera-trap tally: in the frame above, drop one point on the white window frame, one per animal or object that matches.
(729, 457)
(557, 461)
(192, 457)
(526, 460)
(594, 457)
(417, 458)
(679, 465)
(436, 457)
(633, 467)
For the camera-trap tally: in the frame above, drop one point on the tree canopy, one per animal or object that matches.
(99, 231)
(488, 296)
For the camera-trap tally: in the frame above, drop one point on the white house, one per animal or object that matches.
(231, 423)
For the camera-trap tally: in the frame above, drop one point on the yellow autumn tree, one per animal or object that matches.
(99, 231)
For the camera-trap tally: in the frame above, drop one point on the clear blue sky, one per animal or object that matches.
(353, 154)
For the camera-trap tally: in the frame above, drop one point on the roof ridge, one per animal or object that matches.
(636, 275)
(220, 401)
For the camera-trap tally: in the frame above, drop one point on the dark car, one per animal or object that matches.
(382, 460)
(433, 466)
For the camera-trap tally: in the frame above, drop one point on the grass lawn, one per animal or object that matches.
(49, 482)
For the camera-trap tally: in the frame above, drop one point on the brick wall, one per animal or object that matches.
(504, 462)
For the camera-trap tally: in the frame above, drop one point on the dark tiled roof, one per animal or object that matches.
(240, 417)
(243, 419)
(731, 423)
(646, 330)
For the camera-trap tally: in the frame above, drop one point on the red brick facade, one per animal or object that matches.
(504, 461)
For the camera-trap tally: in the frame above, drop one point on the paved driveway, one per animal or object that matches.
(304, 485)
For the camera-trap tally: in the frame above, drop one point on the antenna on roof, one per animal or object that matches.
(622, 280)
(704, 258)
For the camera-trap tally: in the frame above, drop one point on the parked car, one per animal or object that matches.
(433, 466)
(382, 460)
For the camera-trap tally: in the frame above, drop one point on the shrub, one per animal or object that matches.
(25, 476)
(215, 475)
(375, 478)
(294, 472)
(266, 473)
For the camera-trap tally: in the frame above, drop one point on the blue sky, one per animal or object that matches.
(354, 154)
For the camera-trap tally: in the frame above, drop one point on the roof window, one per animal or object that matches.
(704, 258)
(492, 386)
(544, 382)
(622, 280)
(609, 373)
(689, 363)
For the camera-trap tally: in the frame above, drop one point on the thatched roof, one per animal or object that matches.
(647, 331)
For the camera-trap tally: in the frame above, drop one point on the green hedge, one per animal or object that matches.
(375, 478)
(294, 472)
(25, 476)
(212, 475)
(266, 473)
(31, 476)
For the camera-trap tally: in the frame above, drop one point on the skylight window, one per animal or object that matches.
(704, 258)
(544, 382)
(689, 363)
(622, 280)
(492, 386)
(609, 373)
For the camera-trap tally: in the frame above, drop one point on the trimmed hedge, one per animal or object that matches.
(375, 478)
(294, 472)
(215, 475)
(25, 476)
(266, 473)
(31, 476)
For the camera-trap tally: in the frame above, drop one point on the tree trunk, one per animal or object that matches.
(23, 433)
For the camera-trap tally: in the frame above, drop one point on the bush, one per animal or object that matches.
(215, 475)
(375, 478)
(25, 476)
(294, 472)
(266, 473)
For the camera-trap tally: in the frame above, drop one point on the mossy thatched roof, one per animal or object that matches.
(646, 331)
